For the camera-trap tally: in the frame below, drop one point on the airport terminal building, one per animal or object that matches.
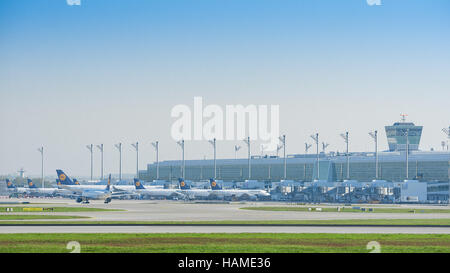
(392, 164)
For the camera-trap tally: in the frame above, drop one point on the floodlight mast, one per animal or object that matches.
(236, 149)
(119, 148)
(447, 132)
(41, 150)
(100, 147)
(345, 137)
(316, 140)
(374, 135)
(181, 143)
(156, 146)
(213, 143)
(278, 149)
(283, 145)
(324, 146)
(247, 141)
(90, 147)
(136, 147)
(307, 146)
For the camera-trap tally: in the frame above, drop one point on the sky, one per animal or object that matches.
(110, 71)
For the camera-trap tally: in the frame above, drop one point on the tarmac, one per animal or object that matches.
(165, 210)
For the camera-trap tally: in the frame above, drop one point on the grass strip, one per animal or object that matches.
(55, 209)
(346, 222)
(39, 217)
(225, 243)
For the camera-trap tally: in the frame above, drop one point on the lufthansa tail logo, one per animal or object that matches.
(138, 184)
(214, 184)
(182, 183)
(62, 177)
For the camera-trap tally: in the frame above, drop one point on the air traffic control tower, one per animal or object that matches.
(399, 132)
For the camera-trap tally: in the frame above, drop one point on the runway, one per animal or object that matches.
(221, 229)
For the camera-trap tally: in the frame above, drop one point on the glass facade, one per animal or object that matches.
(396, 136)
(423, 166)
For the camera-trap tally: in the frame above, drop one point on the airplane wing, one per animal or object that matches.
(123, 193)
(72, 189)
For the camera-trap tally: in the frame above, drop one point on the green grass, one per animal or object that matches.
(32, 217)
(362, 222)
(349, 209)
(218, 242)
(57, 209)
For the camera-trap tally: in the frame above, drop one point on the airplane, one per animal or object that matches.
(193, 193)
(237, 193)
(83, 195)
(33, 190)
(12, 189)
(157, 192)
(64, 179)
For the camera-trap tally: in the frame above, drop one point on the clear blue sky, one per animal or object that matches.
(111, 70)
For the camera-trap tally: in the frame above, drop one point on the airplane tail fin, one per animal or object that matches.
(76, 182)
(31, 184)
(183, 184)
(108, 186)
(9, 184)
(63, 178)
(138, 184)
(214, 184)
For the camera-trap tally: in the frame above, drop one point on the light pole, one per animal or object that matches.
(247, 141)
(283, 144)
(213, 143)
(156, 146)
(316, 139)
(307, 146)
(345, 137)
(41, 150)
(407, 153)
(119, 148)
(374, 135)
(447, 132)
(136, 147)
(100, 147)
(181, 143)
(278, 149)
(324, 146)
(236, 149)
(90, 148)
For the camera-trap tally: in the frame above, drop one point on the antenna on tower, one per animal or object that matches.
(403, 117)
